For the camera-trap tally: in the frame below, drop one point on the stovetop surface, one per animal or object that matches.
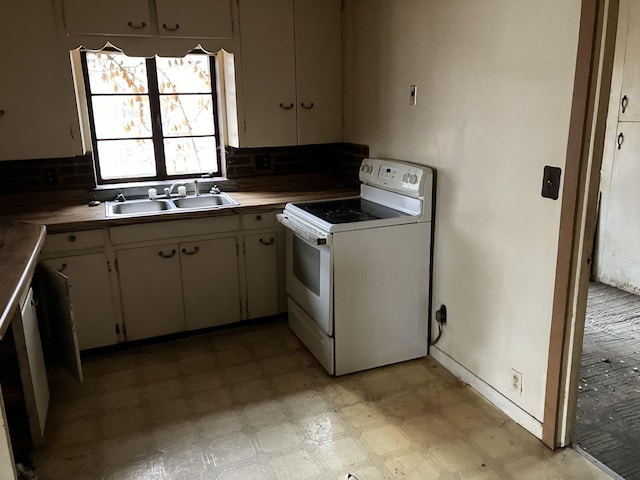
(348, 210)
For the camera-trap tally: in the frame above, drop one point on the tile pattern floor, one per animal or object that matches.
(251, 403)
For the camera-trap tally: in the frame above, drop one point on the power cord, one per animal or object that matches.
(441, 319)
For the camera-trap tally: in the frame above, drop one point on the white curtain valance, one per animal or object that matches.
(150, 46)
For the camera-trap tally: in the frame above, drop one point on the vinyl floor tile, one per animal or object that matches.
(251, 403)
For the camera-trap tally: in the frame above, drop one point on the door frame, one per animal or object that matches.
(579, 212)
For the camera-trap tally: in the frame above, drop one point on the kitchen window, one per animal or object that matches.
(151, 118)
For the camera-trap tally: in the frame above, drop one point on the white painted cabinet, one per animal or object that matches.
(261, 257)
(291, 54)
(38, 117)
(91, 297)
(630, 96)
(151, 291)
(210, 282)
(166, 18)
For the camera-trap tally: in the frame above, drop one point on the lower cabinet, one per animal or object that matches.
(151, 291)
(93, 306)
(210, 282)
(261, 257)
(182, 286)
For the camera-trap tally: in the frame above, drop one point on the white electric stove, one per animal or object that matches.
(358, 269)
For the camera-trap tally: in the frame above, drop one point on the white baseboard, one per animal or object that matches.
(516, 413)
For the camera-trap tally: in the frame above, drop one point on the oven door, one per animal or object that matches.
(310, 278)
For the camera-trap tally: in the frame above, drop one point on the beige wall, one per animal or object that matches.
(495, 79)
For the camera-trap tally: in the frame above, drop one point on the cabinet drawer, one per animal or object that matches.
(66, 242)
(258, 220)
(173, 229)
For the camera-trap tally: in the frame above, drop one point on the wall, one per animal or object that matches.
(495, 80)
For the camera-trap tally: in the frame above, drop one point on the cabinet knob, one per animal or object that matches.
(267, 242)
(2, 112)
(137, 26)
(170, 29)
(62, 268)
(307, 107)
(286, 107)
(72, 238)
(258, 217)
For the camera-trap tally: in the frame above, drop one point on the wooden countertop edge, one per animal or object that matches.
(22, 282)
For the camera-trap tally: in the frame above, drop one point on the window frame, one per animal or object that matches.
(157, 136)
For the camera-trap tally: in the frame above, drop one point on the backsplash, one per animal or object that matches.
(340, 160)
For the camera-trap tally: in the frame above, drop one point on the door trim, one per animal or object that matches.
(592, 83)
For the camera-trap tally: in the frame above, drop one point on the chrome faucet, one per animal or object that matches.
(196, 188)
(169, 190)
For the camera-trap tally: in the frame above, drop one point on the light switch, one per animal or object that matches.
(551, 182)
(413, 92)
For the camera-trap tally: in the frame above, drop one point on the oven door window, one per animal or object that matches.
(306, 265)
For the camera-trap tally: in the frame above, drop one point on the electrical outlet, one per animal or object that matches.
(516, 381)
(263, 162)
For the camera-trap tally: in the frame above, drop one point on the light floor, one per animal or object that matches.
(251, 403)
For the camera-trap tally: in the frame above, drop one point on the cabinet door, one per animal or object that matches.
(151, 291)
(115, 17)
(91, 297)
(198, 19)
(210, 282)
(318, 47)
(268, 72)
(620, 222)
(631, 69)
(261, 251)
(37, 105)
(32, 369)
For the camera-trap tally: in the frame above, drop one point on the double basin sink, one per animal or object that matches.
(146, 206)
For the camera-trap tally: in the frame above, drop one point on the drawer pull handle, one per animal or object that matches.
(625, 102)
(167, 255)
(2, 112)
(267, 242)
(138, 26)
(305, 106)
(192, 252)
(286, 107)
(72, 238)
(170, 29)
(62, 268)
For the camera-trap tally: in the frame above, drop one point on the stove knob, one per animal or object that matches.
(405, 178)
(363, 167)
(413, 179)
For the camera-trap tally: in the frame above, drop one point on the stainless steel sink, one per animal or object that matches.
(134, 207)
(146, 206)
(204, 201)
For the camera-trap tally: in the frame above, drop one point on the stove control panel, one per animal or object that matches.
(395, 175)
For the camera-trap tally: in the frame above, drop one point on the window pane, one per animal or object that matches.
(184, 75)
(126, 158)
(187, 115)
(190, 155)
(112, 72)
(121, 116)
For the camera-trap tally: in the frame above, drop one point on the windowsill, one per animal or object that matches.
(140, 189)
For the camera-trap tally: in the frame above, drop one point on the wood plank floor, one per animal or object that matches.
(608, 419)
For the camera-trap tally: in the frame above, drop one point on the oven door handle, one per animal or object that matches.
(310, 235)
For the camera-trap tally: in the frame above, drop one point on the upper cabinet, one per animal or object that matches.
(165, 18)
(630, 96)
(38, 117)
(291, 55)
